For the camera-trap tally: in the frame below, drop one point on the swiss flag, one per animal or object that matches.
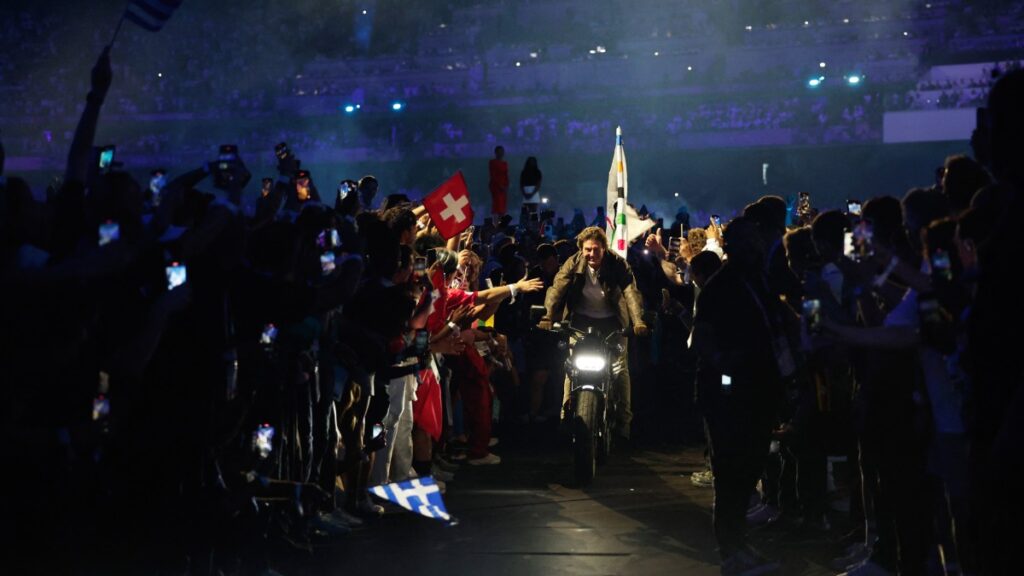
(449, 206)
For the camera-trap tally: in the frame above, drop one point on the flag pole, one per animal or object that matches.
(117, 30)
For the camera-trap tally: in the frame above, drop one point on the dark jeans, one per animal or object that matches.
(895, 448)
(740, 436)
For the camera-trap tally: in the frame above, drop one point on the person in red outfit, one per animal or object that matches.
(498, 184)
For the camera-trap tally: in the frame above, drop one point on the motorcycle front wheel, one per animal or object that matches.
(585, 439)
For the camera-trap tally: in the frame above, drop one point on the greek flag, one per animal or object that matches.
(420, 495)
(151, 14)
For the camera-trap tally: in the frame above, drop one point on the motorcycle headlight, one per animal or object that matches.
(589, 363)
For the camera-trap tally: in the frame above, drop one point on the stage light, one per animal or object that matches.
(689, 68)
(657, 53)
(518, 64)
(815, 82)
(854, 79)
(397, 106)
(543, 200)
(677, 194)
(822, 64)
(349, 109)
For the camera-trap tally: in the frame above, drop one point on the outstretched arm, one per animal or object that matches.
(81, 147)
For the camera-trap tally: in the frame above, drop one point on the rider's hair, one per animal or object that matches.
(594, 233)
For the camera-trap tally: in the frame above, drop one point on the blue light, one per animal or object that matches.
(814, 82)
(854, 79)
(349, 109)
(397, 106)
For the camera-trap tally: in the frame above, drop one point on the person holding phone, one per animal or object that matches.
(742, 358)
(303, 190)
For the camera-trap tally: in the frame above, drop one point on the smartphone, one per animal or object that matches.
(853, 207)
(420, 264)
(848, 247)
(100, 407)
(327, 263)
(862, 237)
(109, 231)
(176, 275)
(726, 384)
(812, 315)
(263, 440)
(941, 267)
(106, 158)
(328, 239)
(269, 335)
(716, 220)
(421, 341)
(378, 429)
(157, 183)
(674, 244)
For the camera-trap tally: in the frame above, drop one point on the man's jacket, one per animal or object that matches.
(615, 278)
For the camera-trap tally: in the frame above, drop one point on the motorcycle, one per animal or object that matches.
(593, 364)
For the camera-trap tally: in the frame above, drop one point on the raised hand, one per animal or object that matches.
(529, 285)
(655, 245)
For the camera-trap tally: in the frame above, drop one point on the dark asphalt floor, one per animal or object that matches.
(641, 515)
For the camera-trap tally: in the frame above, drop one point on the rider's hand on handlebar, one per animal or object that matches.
(641, 330)
(544, 324)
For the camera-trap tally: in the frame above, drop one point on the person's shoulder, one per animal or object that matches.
(724, 278)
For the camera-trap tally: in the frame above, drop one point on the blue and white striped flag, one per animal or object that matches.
(420, 495)
(151, 14)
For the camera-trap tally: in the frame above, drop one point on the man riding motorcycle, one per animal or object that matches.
(595, 289)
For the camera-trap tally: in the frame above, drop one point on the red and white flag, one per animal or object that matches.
(449, 206)
(151, 14)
